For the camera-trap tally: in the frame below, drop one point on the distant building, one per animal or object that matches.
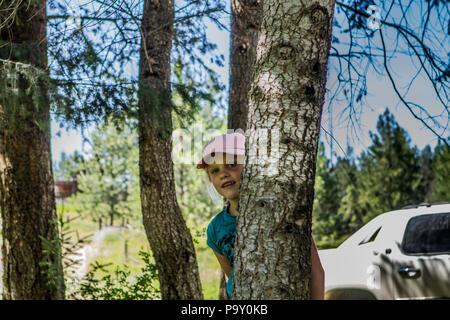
(64, 189)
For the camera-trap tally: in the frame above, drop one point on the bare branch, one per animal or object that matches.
(401, 97)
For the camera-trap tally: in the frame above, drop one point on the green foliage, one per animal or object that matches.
(389, 176)
(349, 190)
(69, 167)
(441, 173)
(326, 201)
(118, 286)
(425, 162)
(8, 11)
(23, 93)
(201, 118)
(63, 245)
(323, 243)
(51, 250)
(91, 62)
(196, 205)
(71, 243)
(109, 178)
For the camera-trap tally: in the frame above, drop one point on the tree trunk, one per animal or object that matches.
(245, 22)
(223, 287)
(168, 235)
(272, 259)
(26, 178)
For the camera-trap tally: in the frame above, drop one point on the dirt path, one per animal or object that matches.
(85, 255)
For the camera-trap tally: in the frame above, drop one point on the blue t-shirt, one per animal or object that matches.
(220, 237)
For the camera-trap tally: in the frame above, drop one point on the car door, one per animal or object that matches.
(421, 269)
(364, 267)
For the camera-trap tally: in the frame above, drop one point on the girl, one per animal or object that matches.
(222, 160)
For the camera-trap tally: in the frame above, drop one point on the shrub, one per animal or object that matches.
(118, 286)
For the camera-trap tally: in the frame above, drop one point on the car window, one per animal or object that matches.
(427, 234)
(370, 238)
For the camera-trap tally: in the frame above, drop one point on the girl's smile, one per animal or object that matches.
(228, 184)
(226, 178)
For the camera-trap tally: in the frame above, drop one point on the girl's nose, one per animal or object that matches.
(224, 172)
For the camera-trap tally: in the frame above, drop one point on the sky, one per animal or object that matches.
(380, 96)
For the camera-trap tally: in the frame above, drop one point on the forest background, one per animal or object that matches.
(361, 172)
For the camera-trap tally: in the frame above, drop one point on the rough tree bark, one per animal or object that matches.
(272, 259)
(245, 21)
(168, 235)
(26, 178)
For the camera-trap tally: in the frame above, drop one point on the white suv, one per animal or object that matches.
(402, 254)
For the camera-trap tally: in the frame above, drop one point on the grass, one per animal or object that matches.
(110, 250)
(209, 269)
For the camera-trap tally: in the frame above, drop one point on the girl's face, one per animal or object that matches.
(226, 177)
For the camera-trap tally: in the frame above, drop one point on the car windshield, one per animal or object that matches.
(428, 234)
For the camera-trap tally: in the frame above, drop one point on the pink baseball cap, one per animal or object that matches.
(232, 143)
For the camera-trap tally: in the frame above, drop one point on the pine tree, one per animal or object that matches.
(441, 173)
(425, 187)
(106, 177)
(326, 223)
(350, 211)
(69, 166)
(32, 267)
(390, 173)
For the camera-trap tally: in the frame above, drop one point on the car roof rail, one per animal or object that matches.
(425, 204)
(411, 206)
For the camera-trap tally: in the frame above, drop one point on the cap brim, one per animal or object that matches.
(202, 164)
